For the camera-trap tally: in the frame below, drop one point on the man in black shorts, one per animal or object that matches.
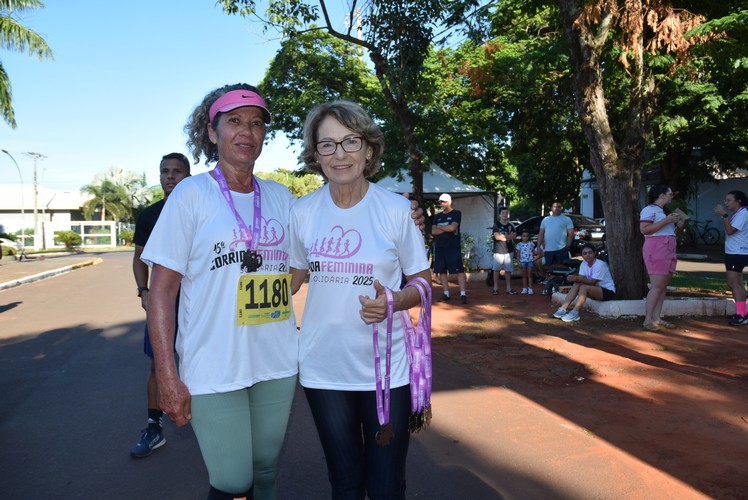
(556, 235)
(174, 168)
(447, 254)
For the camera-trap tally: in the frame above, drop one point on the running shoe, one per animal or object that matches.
(149, 441)
(560, 313)
(570, 316)
(739, 320)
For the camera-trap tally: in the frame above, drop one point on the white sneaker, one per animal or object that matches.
(529, 291)
(560, 313)
(524, 291)
(570, 316)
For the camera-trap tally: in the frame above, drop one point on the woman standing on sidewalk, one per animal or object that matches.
(736, 250)
(352, 237)
(658, 225)
(223, 237)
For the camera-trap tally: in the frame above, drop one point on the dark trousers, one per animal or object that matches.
(347, 425)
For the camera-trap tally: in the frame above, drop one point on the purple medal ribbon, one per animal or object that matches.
(383, 395)
(418, 348)
(418, 345)
(250, 239)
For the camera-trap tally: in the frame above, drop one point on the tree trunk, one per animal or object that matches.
(617, 177)
(400, 107)
(396, 101)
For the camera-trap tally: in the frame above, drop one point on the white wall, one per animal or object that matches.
(712, 193)
(477, 219)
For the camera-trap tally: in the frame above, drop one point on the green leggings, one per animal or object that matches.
(240, 434)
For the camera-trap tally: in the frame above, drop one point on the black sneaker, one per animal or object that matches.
(739, 320)
(149, 441)
(463, 299)
(511, 292)
(444, 298)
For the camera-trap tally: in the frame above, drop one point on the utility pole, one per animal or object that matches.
(35, 157)
(23, 218)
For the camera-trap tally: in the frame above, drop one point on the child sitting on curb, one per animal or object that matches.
(594, 280)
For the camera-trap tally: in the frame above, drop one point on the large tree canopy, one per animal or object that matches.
(397, 37)
(539, 93)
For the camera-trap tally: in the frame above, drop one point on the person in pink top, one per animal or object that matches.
(658, 226)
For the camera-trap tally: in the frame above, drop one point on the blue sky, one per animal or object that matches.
(126, 76)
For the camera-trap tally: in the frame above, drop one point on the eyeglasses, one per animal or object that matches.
(349, 145)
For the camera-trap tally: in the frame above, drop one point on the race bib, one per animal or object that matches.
(263, 298)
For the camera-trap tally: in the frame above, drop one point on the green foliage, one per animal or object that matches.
(7, 250)
(116, 193)
(311, 68)
(397, 36)
(14, 36)
(70, 239)
(467, 242)
(298, 184)
(157, 194)
(127, 236)
(498, 110)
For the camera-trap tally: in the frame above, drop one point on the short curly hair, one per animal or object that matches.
(352, 116)
(198, 141)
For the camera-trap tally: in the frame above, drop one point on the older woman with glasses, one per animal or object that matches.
(658, 226)
(354, 238)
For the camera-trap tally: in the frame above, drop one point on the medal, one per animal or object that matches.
(251, 262)
(385, 434)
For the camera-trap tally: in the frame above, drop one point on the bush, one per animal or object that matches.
(68, 238)
(7, 249)
(127, 236)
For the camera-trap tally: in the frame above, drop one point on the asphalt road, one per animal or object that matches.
(72, 388)
(72, 379)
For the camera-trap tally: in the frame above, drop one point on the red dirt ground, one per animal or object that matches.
(676, 399)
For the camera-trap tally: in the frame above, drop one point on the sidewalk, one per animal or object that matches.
(14, 273)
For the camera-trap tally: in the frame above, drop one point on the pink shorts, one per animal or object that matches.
(659, 255)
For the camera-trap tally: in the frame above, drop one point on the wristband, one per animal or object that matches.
(142, 289)
(724, 216)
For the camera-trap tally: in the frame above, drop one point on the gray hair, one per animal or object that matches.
(351, 116)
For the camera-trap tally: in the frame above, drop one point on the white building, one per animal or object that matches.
(49, 210)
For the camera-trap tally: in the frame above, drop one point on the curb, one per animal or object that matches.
(49, 273)
(671, 307)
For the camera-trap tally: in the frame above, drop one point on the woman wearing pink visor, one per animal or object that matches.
(223, 236)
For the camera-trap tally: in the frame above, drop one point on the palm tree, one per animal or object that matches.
(14, 36)
(110, 197)
(118, 192)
